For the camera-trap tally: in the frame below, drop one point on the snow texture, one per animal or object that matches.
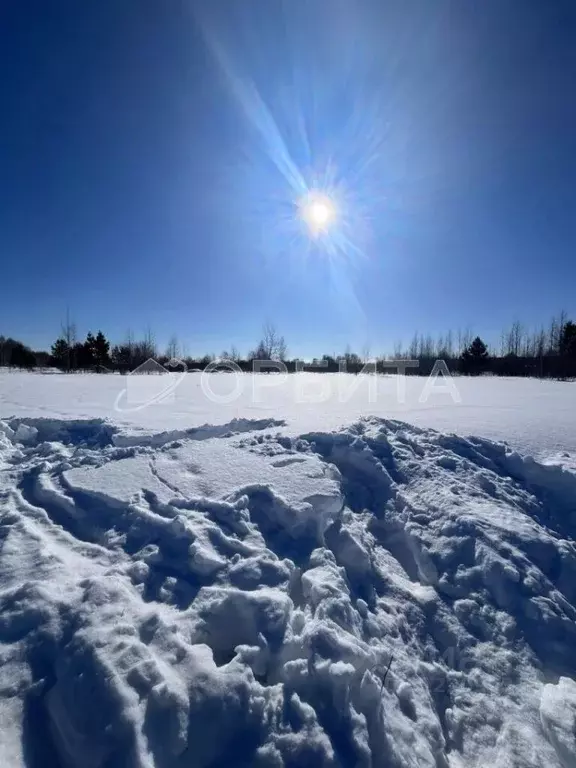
(379, 595)
(534, 417)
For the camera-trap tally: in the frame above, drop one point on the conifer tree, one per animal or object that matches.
(101, 350)
(568, 340)
(475, 357)
(61, 353)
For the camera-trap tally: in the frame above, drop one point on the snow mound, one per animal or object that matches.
(379, 596)
(100, 432)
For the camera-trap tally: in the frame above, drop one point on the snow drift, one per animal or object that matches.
(379, 596)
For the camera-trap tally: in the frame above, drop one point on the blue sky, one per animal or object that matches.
(151, 154)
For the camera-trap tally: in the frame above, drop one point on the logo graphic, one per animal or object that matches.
(150, 384)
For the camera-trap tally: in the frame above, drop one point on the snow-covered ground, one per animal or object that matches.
(290, 584)
(536, 417)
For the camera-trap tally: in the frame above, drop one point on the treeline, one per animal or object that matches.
(545, 353)
(15, 354)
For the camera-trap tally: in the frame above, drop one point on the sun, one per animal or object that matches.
(318, 212)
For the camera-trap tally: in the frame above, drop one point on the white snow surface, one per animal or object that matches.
(533, 416)
(285, 586)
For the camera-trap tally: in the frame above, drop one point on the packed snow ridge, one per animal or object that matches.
(384, 595)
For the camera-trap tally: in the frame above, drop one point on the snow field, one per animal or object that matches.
(381, 595)
(534, 417)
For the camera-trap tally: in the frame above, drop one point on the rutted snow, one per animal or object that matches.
(383, 595)
(306, 491)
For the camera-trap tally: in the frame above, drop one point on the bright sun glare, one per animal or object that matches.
(318, 211)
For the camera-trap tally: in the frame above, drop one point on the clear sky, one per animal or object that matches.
(152, 154)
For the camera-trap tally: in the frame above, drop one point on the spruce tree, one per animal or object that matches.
(568, 340)
(102, 350)
(475, 357)
(61, 353)
(88, 352)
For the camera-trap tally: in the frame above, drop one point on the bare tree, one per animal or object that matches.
(540, 343)
(530, 348)
(516, 336)
(445, 347)
(172, 350)
(68, 330)
(414, 347)
(504, 342)
(232, 355)
(427, 346)
(149, 344)
(68, 333)
(449, 345)
(467, 338)
(272, 346)
(513, 340)
(555, 333)
(130, 346)
(281, 349)
(440, 347)
(562, 320)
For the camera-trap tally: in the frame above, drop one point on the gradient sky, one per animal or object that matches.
(151, 153)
